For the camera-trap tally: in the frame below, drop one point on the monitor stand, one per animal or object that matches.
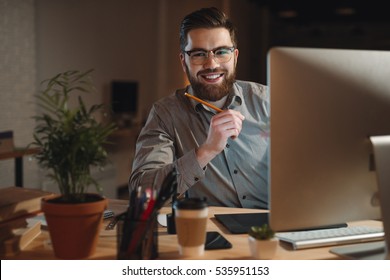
(376, 250)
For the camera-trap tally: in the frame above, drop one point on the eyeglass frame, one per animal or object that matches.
(231, 49)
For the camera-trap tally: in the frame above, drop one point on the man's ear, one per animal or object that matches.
(183, 61)
(236, 52)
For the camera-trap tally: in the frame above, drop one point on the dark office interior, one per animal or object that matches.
(137, 42)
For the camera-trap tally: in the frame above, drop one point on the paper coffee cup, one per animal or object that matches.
(191, 217)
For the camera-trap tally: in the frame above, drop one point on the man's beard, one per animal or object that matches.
(212, 92)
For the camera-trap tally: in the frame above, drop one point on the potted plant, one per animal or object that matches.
(262, 242)
(71, 141)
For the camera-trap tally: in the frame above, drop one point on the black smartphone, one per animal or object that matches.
(215, 240)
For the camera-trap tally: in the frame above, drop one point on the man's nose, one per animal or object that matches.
(210, 61)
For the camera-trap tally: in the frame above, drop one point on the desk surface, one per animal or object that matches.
(41, 249)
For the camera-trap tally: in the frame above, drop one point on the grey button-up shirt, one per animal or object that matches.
(177, 126)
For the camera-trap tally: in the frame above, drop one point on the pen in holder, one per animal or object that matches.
(137, 239)
(137, 227)
(171, 225)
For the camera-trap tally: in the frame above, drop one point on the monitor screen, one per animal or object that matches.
(325, 103)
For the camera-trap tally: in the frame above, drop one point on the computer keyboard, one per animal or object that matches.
(330, 237)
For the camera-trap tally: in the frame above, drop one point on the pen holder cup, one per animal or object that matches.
(137, 240)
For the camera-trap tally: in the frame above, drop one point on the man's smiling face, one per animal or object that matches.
(210, 80)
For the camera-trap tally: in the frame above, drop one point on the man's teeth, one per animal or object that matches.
(212, 77)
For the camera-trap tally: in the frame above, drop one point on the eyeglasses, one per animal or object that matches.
(220, 55)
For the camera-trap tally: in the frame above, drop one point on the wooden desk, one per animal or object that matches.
(167, 243)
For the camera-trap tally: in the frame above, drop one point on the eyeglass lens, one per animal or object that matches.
(221, 55)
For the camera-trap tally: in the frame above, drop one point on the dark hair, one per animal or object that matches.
(206, 18)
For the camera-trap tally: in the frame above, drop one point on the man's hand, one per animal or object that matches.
(226, 124)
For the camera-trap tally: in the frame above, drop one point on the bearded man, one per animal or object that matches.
(220, 155)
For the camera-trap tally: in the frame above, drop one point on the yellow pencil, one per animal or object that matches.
(206, 104)
(203, 102)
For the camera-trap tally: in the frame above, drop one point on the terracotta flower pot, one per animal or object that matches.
(74, 227)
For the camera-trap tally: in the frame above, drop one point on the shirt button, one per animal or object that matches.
(227, 145)
(244, 197)
(235, 171)
(196, 179)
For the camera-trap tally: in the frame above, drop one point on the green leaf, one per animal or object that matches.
(264, 232)
(70, 139)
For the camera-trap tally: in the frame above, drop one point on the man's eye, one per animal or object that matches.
(222, 52)
(198, 54)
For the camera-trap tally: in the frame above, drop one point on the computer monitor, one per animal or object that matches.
(324, 106)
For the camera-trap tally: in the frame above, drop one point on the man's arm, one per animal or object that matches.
(156, 156)
(158, 144)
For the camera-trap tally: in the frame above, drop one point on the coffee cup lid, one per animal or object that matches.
(190, 203)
